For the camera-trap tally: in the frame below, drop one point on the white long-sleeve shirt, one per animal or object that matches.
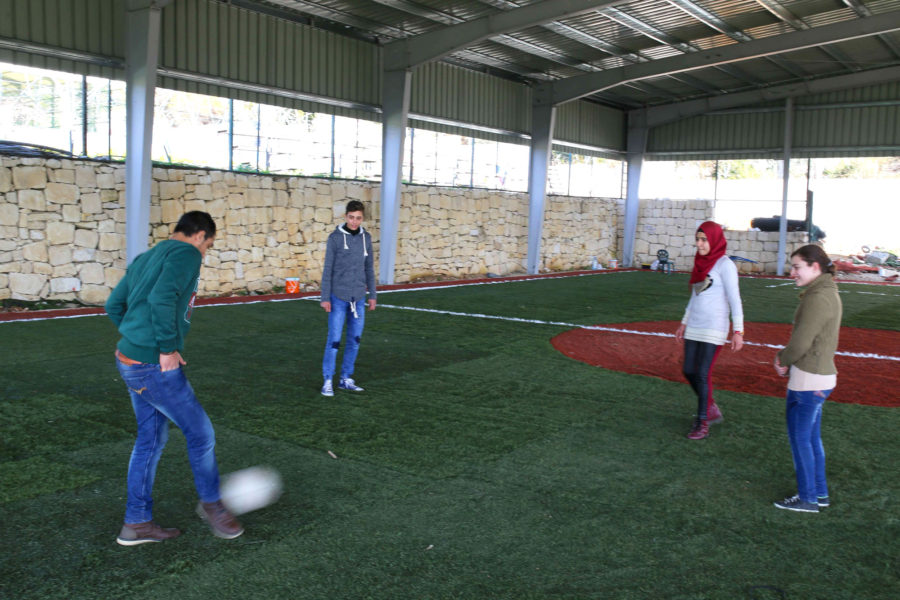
(706, 315)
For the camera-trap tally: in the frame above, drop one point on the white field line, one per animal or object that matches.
(603, 328)
(318, 298)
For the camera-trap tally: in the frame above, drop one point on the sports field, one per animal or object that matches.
(479, 463)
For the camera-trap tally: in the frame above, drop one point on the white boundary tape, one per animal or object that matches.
(603, 328)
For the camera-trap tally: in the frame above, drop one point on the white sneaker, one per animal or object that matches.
(350, 385)
(327, 389)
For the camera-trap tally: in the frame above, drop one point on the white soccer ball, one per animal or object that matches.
(250, 489)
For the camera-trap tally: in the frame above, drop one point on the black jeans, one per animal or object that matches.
(699, 358)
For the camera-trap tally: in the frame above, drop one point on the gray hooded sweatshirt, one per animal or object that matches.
(349, 266)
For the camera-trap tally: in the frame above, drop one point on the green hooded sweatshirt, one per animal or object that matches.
(152, 304)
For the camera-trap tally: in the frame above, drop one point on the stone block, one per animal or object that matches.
(106, 181)
(86, 177)
(169, 190)
(171, 210)
(203, 192)
(60, 255)
(62, 285)
(61, 193)
(5, 180)
(91, 273)
(190, 205)
(71, 213)
(67, 269)
(235, 201)
(254, 197)
(94, 294)
(85, 238)
(324, 215)
(29, 177)
(216, 208)
(22, 285)
(60, 233)
(113, 275)
(90, 204)
(32, 200)
(36, 252)
(112, 241)
(9, 214)
(83, 254)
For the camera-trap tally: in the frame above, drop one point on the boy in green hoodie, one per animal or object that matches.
(151, 308)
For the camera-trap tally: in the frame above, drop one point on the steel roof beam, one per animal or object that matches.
(661, 115)
(410, 52)
(799, 24)
(714, 22)
(665, 39)
(573, 88)
(863, 11)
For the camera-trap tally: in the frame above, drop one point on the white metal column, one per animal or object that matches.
(395, 103)
(782, 225)
(637, 146)
(142, 39)
(542, 121)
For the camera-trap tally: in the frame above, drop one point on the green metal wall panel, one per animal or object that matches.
(873, 93)
(862, 121)
(848, 127)
(221, 40)
(591, 124)
(448, 92)
(719, 134)
(93, 26)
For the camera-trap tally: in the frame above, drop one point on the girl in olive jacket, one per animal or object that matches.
(808, 358)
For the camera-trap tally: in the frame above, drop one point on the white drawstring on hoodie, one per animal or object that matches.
(362, 232)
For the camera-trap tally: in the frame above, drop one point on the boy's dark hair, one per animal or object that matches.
(194, 221)
(355, 205)
(811, 253)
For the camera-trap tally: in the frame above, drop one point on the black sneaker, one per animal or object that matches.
(796, 504)
(823, 501)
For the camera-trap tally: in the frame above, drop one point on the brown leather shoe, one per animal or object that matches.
(133, 534)
(222, 522)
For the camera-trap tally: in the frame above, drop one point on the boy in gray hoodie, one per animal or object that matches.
(348, 275)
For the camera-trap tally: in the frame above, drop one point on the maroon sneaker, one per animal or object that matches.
(699, 431)
(222, 522)
(133, 534)
(714, 414)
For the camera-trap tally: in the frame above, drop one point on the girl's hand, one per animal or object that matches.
(782, 371)
(679, 333)
(737, 340)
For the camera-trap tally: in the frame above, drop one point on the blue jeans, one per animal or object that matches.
(804, 420)
(699, 358)
(341, 312)
(157, 398)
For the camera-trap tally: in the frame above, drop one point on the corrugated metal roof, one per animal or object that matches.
(333, 48)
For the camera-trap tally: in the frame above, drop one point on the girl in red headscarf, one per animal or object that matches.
(704, 328)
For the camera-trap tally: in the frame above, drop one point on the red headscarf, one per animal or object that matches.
(717, 244)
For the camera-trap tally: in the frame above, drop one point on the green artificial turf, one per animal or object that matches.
(479, 462)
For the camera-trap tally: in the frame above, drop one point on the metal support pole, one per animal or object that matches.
(394, 119)
(542, 121)
(636, 146)
(782, 225)
(141, 52)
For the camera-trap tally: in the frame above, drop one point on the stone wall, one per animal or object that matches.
(457, 232)
(671, 224)
(62, 228)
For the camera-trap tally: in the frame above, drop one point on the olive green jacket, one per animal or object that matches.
(817, 322)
